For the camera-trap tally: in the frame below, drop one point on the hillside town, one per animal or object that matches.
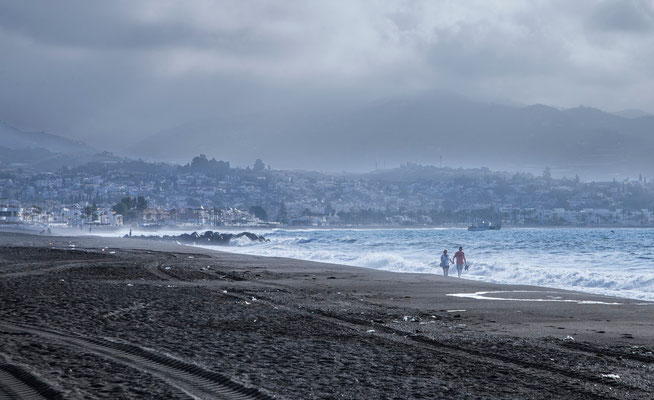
(212, 193)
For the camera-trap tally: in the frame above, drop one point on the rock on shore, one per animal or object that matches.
(208, 237)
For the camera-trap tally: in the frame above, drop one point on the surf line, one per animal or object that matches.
(484, 296)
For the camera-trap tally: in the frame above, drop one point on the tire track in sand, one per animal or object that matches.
(502, 362)
(62, 267)
(194, 381)
(505, 363)
(155, 269)
(17, 383)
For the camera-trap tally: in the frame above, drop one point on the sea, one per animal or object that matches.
(615, 262)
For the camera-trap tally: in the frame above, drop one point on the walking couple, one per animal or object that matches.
(460, 259)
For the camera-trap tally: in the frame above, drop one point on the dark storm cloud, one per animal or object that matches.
(119, 70)
(128, 25)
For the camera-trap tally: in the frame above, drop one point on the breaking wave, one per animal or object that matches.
(630, 284)
(617, 262)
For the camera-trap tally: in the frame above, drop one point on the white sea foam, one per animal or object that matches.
(616, 262)
(384, 261)
(619, 263)
(492, 295)
(622, 283)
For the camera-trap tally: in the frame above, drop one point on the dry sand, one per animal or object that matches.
(146, 319)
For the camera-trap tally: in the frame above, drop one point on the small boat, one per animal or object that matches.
(484, 226)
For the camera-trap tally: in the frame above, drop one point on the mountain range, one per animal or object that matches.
(429, 129)
(43, 151)
(423, 129)
(13, 138)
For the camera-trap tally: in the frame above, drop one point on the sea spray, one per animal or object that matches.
(617, 262)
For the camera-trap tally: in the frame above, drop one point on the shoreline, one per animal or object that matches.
(81, 313)
(96, 243)
(436, 271)
(29, 228)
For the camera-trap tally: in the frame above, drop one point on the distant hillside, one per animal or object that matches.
(41, 151)
(632, 113)
(421, 129)
(13, 138)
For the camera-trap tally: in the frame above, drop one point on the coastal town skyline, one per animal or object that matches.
(209, 193)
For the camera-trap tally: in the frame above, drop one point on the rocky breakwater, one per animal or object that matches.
(208, 237)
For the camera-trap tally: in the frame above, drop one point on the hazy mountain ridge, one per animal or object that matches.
(43, 151)
(418, 129)
(421, 129)
(13, 138)
(632, 113)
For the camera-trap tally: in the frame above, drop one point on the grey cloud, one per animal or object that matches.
(477, 51)
(122, 70)
(120, 25)
(624, 16)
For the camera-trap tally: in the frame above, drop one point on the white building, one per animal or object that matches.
(109, 217)
(10, 213)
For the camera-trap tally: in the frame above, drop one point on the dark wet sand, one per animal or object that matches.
(153, 320)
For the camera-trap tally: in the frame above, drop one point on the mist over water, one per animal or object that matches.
(617, 262)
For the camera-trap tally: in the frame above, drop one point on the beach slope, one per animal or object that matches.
(96, 317)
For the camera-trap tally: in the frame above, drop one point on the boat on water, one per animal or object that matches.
(484, 226)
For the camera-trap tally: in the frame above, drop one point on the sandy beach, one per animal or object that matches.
(91, 317)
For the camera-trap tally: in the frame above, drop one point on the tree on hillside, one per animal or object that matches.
(259, 212)
(130, 208)
(200, 163)
(259, 165)
(203, 165)
(329, 210)
(141, 203)
(89, 212)
(282, 214)
(121, 208)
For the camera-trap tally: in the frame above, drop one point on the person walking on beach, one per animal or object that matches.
(460, 259)
(445, 262)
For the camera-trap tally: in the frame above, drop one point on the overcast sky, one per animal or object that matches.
(88, 69)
